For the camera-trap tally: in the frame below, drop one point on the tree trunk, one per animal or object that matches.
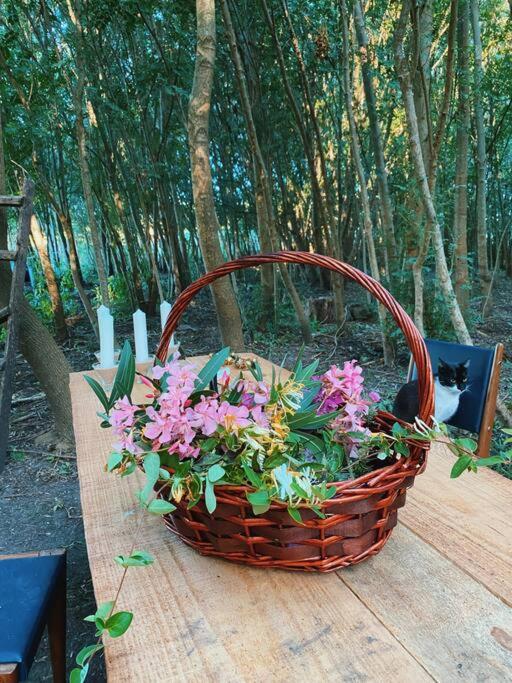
(404, 78)
(262, 182)
(356, 157)
(41, 244)
(77, 95)
(481, 155)
(460, 213)
(419, 262)
(36, 343)
(375, 135)
(228, 313)
(87, 188)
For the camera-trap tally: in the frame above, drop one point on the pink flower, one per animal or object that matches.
(253, 393)
(259, 416)
(125, 443)
(184, 450)
(123, 415)
(160, 427)
(374, 396)
(261, 393)
(232, 418)
(206, 411)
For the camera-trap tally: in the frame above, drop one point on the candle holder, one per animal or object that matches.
(106, 376)
(144, 367)
(117, 353)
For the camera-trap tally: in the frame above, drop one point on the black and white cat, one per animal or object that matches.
(450, 381)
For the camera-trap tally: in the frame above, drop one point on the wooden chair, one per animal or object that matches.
(477, 407)
(32, 596)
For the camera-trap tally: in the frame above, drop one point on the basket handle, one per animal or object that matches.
(402, 319)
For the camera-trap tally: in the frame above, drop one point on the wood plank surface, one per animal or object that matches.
(452, 624)
(466, 519)
(202, 618)
(396, 617)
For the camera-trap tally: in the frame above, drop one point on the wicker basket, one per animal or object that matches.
(359, 518)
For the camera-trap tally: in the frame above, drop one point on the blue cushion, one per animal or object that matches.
(26, 587)
(472, 402)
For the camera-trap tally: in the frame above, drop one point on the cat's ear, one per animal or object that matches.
(443, 363)
(465, 364)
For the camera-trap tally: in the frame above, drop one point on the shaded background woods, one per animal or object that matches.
(378, 133)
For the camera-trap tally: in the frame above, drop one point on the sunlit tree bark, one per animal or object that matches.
(228, 314)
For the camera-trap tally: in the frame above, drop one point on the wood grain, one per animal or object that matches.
(199, 618)
(409, 614)
(466, 519)
(452, 624)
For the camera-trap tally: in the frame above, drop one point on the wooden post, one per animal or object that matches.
(18, 280)
(485, 435)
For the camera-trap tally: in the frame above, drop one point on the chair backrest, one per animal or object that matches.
(473, 401)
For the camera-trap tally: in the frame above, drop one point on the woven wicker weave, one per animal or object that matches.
(362, 514)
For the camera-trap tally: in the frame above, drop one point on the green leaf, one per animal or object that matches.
(98, 390)
(295, 515)
(125, 375)
(119, 623)
(78, 675)
(215, 473)
(256, 371)
(310, 420)
(466, 443)
(139, 558)
(490, 461)
(460, 465)
(102, 611)
(114, 459)
(75, 675)
(259, 500)
(211, 368)
(87, 652)
(209, 496)
(318, 512)
(309, 395)
(152, 469)
(160, 507)
(315, 444)
(251, 475)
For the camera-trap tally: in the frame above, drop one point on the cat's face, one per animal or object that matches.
(453, 376)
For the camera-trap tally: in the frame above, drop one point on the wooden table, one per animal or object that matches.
(433, 605)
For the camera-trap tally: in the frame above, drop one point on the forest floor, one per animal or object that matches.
(39, 492)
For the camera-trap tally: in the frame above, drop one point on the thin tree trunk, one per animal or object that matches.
(419, 262)
(228, 313)
(375, 134)
(41, 244)
(460, 214)
(356, 157)
(77, 95)
(262, 182)
(481, 154)
(404, 78)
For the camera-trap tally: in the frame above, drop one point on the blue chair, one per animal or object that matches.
(477, 406)
(32, 596)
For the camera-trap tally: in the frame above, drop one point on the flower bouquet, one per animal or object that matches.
(262, 470)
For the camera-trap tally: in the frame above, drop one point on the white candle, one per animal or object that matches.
(106, 330)
(165, 309)
(141, 336)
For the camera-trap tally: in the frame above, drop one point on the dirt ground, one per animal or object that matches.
(39, 491)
